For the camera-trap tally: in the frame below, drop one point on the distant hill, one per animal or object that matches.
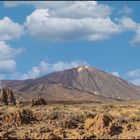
(77, 84)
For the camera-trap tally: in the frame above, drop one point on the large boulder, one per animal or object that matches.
(18, 118)
(7, 97)
(100, 121)
(38, 101)
(103, 124)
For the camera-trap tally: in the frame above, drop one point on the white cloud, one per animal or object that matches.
(38, 4)
(69, 9)
(127, 24)
(79, 20)
(7, 54)
(135, 82)
(40, 24)
(9, 29)
(134, 73)
(45, 68)
(136, 38)
(115, 73)
(82, 9)
(7, 65)
(126, 10)
(69, 20)
(134, 76)
(11, 4)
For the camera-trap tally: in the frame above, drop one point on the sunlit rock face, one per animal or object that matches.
(82, 68)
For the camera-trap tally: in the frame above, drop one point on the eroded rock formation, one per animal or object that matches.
(7, 97)
(38, 101)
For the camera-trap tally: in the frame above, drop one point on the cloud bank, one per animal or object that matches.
(72, 20)
(134, 76)
(45, 68)
(9, 29)
(7, 55)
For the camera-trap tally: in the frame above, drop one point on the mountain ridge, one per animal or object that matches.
(81, 83)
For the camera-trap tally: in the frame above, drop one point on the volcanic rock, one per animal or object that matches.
(4, 135)
(18, 118)
(7, 97)
(103, 124)
(38, 101)
(99, 121)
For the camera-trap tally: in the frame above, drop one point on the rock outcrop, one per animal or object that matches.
(38, 101)
(18, 118)
(7, 97)
(103, 124)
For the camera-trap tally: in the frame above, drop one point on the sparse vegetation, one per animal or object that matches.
(80, 121)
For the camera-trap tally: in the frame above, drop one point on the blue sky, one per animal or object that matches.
(39, 38)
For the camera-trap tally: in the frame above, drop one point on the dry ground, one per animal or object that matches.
(78, 121)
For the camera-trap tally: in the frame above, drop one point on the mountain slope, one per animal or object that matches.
(82, 83)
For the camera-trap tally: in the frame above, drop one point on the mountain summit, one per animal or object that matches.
(82, 83)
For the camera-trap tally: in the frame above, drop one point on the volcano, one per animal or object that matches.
(83, 83)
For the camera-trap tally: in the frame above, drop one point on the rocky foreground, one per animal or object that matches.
(79, 121)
